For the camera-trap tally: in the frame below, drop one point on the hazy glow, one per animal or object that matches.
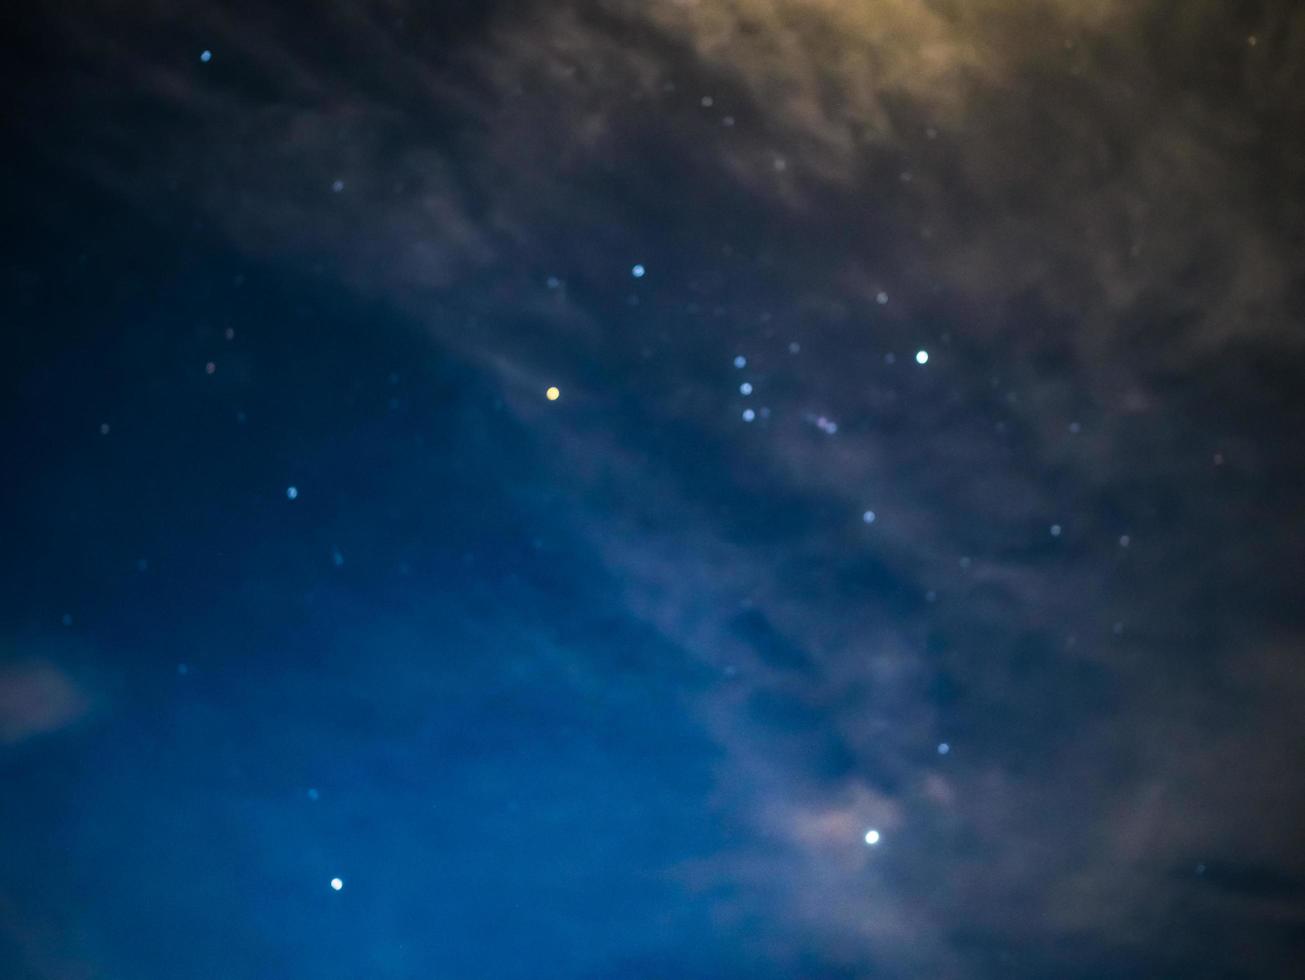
(872, 837)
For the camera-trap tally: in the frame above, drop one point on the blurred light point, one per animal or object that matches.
(206, 56)
(749, 415)
(638, 272)
(337, 884)
(943, 748)
(745, 388)
(881, 298)
(922, 357)
(740, 362)
(868, 517)
(872, 837)
(553, 393)
(291, 493)
(1055, 530)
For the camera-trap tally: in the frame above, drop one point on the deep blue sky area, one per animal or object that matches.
(706, 489)
(411, 668)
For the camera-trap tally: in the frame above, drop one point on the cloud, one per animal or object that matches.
(37, 698)
(1087, 223)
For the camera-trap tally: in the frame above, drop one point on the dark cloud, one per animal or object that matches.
(37, 698)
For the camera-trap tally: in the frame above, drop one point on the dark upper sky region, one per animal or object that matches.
(904, 581)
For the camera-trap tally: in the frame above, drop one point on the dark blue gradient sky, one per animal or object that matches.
(615, 685)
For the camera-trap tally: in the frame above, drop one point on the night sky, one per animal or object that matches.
(652, 489)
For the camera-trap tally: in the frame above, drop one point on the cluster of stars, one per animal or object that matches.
(746, 388)
(826, 425)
